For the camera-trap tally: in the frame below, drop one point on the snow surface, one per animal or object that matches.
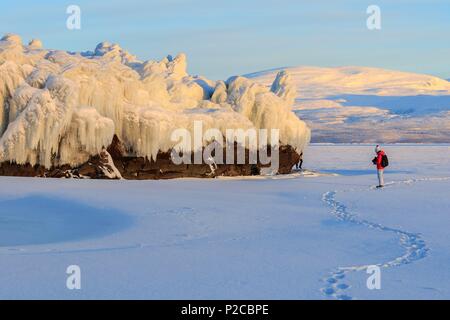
(59, 107)
(380, 105)
(307, 235)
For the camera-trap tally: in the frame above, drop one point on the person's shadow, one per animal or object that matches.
(349, 172)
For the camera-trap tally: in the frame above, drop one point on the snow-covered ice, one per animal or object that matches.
(302, 236)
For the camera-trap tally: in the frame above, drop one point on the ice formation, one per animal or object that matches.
(61, 108)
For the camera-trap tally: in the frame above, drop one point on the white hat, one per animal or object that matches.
(377, 148)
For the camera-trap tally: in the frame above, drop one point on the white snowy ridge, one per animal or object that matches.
(60, 107)
(368, 105)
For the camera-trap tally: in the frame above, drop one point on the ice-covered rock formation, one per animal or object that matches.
(60, 108)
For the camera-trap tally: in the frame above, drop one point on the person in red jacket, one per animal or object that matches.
(378, 161)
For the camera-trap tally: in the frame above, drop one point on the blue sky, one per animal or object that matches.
(223, 38)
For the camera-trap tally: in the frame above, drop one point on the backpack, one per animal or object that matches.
(384, 161)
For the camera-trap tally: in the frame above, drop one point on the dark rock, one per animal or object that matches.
(140, 168)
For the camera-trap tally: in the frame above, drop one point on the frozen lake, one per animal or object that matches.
(280, 238)
(40, 219)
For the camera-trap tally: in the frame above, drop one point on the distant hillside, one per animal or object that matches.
(361, 104)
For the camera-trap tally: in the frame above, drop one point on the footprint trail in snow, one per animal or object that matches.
(414, 246)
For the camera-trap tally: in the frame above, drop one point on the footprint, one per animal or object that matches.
(344, 297)
(328, 291)
(331, 280)
(343, 286)
(414, 246)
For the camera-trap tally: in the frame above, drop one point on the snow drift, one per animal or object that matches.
(61, 108)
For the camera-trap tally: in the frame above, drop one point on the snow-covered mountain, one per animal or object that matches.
(360, 104)
(61, 108)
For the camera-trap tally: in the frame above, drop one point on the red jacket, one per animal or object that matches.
(379, 159)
